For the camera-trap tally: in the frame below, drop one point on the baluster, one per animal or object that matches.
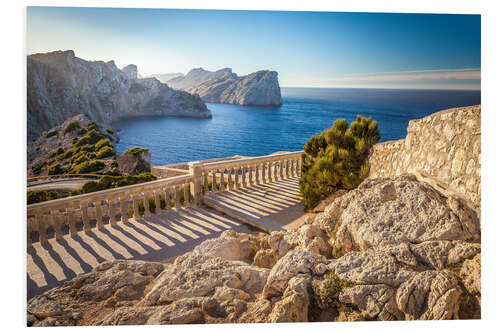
(263, 173)
(214, 181)
(157, 201)
(178, 196)
(70, 219)
(251, 178)
(281, 169)
(40, 223)
(166, 193)
(269, 172)
(187, 194)
(56, 224)
(135, 207)
(123, 208)
(111, 213)
(257, 177)
(237, 178)
(147, 212)
(299, 166)
(292, 168)
(205, 182)
(287, 169)
(230, 178)
(85, 217)
(244, 170)
(28, 237)
(98, 215)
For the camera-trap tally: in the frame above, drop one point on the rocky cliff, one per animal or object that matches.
(61, 85)
(224, 86)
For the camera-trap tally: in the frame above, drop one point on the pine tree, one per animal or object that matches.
(336, 159)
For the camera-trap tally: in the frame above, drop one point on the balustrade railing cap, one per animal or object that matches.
(252, 159)
(95, 195)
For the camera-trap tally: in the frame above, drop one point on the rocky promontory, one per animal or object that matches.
(224, 86)
(61, 85)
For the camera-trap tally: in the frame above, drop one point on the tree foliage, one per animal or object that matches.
(336, 159)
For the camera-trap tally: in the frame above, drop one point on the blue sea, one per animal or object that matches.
(255, 131)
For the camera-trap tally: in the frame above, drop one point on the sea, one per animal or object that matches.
(256, 131)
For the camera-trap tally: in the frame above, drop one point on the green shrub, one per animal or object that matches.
(114, 164)
(74, 140)
(71, 127)
(105, 152)
(51, 134)
(67, 154)
(38, 167)
(103, 143)
(55, 169)
(79, 159)
(336, 159)
(40, 196)
(88, 167)
(87, 148)
(109, 181)
(110, 131)
(329, 289)
(92, 137)
(82, 131)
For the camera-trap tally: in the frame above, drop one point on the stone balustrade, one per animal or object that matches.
(93, 210)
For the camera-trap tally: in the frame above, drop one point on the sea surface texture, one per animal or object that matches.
(255, 131)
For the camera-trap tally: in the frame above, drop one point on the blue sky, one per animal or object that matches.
(309, 49)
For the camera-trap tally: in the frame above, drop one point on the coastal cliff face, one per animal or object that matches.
(443, 148)
(395, 248)
(60, 86)
(224, 86)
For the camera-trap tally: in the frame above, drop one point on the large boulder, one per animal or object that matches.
(391, 211)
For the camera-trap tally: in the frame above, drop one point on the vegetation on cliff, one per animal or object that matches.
(83, 148)
(336, 159)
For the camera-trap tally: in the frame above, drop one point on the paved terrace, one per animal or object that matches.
(68, 238)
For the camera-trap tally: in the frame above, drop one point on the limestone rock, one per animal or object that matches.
(61, 85)
(293, 263)
(224, 86)
(429, 295)
(391, 211)
(293, 307)
(471, 275)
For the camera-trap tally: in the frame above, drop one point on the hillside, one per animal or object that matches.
(61, 85)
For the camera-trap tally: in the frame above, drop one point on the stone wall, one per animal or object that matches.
(443, 149)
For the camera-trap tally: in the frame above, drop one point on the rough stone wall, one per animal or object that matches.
(443, 148)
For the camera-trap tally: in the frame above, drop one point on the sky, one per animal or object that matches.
(307, 49)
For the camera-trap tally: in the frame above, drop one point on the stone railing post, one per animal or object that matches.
(195, 170)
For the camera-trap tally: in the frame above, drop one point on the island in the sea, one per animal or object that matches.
(223, 86)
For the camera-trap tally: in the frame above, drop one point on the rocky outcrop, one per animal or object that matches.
(224, 86)
(61, 85)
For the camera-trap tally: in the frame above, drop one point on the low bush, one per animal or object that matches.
(51, 134)
(336, 159)
(103, 143)
(55, 169)
(105, 152)
(92, 137)
(109, 181)
(329, 289)
(40, 196)
(110, 131)
(88, 167)
(67, 154)
(38, 167)
(71, 127)
(82, 131)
